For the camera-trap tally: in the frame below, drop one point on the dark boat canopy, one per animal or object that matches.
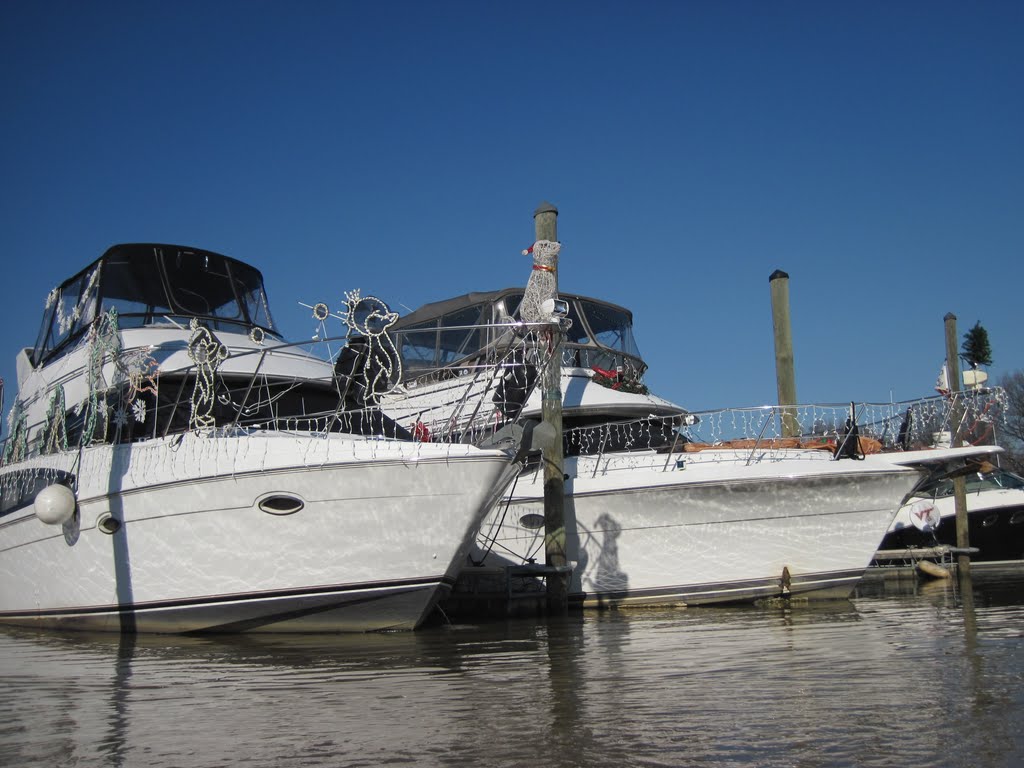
(449, 332)
(150, 284)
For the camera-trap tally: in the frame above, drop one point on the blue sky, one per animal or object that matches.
(874, 151)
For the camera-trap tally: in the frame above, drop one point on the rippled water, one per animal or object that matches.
(902, 675)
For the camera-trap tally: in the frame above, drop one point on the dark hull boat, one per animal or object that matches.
(995, 518)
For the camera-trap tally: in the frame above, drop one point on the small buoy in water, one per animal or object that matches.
(55, 504)
(936, 571)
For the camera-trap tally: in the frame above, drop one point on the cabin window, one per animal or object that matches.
(201, 285)
(611, 327)
(418, 346)
(578, 332)
(993, 481)
(135, 281)
(254, 298)
(70, 310)
(131, 284)
(42, 342)
(455, 341)
(509, 306)
(1009, 480)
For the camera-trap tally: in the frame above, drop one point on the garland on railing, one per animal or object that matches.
(909, 425)
(103, 340)
(16, 447)
(618, 381)
(55, 432)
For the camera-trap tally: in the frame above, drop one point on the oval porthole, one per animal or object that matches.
(281, 504)
(108, 524)
(533, 521)
(990, 520)
(1017, 518)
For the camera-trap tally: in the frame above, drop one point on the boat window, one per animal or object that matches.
(418, 345)
(200, 284)
(456, 342)
(437, 343)
(250, 289)
(975, 483)
(132, 285)
(1009, 480)
(510, 305)
(979, 482)
(69, 310)
(577, 333)
(611, 327)
(44, 330)
(993, 481)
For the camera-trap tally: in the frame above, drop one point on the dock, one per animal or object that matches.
(939, 561)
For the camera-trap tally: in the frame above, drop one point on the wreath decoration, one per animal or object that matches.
(617, 381)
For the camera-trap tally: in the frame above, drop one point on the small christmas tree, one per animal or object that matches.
(976, 350)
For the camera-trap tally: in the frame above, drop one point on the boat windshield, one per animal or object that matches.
(600, 335)
(212, 286)
(612, 327)
(988, 481)
(443, 341)
(152, 285)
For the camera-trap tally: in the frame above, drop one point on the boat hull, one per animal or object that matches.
(710, 530)
(271, 533)
(995, 526)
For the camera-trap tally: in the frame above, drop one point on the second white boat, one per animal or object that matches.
(651, 515)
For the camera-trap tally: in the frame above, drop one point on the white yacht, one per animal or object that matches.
(173, 465)
(653, 515)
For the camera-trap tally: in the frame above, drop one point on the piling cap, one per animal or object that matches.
(545, 207)
(778, 274)
(949, 316)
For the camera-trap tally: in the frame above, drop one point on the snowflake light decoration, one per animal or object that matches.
(139, 410)
(120, 417)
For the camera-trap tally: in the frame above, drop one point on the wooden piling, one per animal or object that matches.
(545, 222)
(963, 561)
(784, 371)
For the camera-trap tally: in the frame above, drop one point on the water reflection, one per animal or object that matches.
(903, 674)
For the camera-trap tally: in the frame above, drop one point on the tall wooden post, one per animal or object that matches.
(963, 560)
(545, 224)
(784, 374)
